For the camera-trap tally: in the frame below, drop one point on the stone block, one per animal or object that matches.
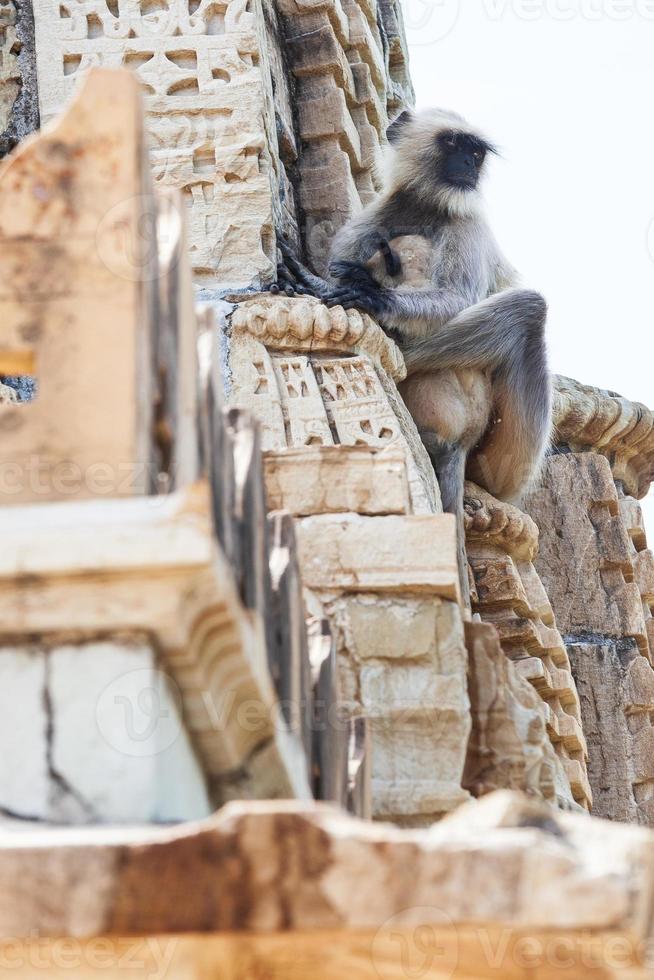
(80, 317)
(402, 663)
(384, 554)
(336, 479)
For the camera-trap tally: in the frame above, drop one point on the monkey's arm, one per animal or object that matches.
(292, 276)
(394, 308)
(505, 276)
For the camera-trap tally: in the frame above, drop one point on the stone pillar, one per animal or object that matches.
(377, 557)
(19, 111)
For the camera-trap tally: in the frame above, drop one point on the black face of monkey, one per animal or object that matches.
(462, 157)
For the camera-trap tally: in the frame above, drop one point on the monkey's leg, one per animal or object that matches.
(449, 462)
(504, 334)
(509, 455)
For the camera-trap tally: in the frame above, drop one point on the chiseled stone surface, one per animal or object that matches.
(402, 662)
(382, 554)
(585, 553)
(319, 377)
(597, 570)
(587, 418)
(337, 479)
(502, 544)
(509, 746)
(349, 62)
(616, 689)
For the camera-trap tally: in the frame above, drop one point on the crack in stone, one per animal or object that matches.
(63, 786)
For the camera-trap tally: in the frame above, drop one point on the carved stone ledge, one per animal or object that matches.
(260, 886)
(501, 543)
(305, 324)
(587, 418)
(489, 521)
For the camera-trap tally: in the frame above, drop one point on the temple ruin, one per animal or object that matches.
(250, 727)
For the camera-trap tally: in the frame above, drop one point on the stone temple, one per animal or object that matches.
(249, 725)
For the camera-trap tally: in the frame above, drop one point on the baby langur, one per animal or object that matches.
(422, 260)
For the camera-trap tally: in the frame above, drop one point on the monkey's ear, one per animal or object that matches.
(398, 124)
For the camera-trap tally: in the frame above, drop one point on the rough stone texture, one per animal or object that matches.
(585, 554)
(502, 544)
(209, 107)
(82, 181)
(642, 559)
(616, 688)
(380, 554)
(596, 568)
(19, 112)
(324, 381)
(349, 62)
(98, 734)
(509, 745)
(383, 582)
(294, 890)
(402, 662)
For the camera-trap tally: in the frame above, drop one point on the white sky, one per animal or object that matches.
(567, 91)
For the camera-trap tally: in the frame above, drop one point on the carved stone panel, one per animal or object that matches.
(284, 369)
(208, 106)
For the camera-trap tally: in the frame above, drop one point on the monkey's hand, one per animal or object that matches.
(373, 301)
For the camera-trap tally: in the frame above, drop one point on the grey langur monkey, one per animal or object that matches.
(422, 260)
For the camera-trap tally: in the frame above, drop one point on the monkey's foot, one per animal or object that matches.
(295, 279)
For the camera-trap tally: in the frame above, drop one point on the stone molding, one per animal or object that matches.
(593, 419)
(307, 325)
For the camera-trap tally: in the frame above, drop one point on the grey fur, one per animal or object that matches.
(465, 315)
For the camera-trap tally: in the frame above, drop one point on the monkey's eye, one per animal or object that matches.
(478, 156)
(450, 142)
